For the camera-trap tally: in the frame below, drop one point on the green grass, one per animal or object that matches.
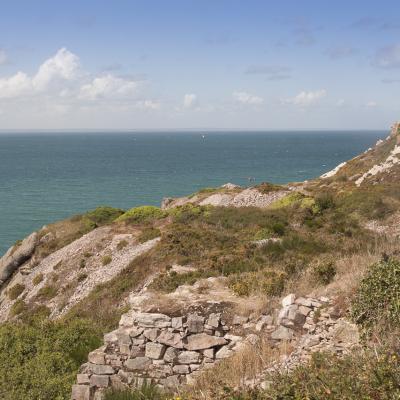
(47, 293)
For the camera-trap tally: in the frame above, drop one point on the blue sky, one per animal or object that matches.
(199, 64)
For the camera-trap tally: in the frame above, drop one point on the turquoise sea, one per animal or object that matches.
(51, 175)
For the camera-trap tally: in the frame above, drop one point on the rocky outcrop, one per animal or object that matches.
(16, 256)
(167, 351)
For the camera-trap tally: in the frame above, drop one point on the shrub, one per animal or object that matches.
(377, 301)
(37, 279)
(121, 244)
(81, 277)
(324, 201)
(106, 260)
(142, 214)
(40, 361)
(359, 376)
(15, 291)
(47, 292)
(267, 187)
(149, 234)
(103, 215)
(324, 272)
(17, 308)
(82, 263)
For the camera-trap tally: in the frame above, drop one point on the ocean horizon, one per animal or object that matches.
(50, 175)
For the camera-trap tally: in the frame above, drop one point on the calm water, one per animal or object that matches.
(46, 177)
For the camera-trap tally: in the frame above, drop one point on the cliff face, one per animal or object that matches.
(197, 283)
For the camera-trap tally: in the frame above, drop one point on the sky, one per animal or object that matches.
(205, 64)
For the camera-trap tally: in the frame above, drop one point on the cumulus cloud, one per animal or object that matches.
(108, 86)
(305, 99)
(388, 57)
(189, 101)
(62, 67)
(247, 98)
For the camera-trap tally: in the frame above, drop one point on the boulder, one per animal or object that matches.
(16, 256)
(202, 341)
(170, 339)
(155, 350)
(171, 355)
(147, 320)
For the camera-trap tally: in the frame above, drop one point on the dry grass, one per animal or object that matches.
(234, 372)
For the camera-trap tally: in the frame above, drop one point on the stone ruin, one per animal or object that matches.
(173, 351)
(155, 348)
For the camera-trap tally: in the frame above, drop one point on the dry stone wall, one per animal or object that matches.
(167, 351)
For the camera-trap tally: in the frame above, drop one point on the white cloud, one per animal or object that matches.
(15, 86)
(108, 86)
(3, 57)
(305, 99)
(63, 66)
(371, 104)
(340, 103)
(388, 57)
(189, 100)
(148, 105)
(247, 98)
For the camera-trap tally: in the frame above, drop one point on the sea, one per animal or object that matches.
(48, 176)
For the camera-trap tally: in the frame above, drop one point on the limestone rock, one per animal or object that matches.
(177, 323)
(138, 363)
(195, 323)
(223, 352)
(155, 350)
(202, 341)
(95, 357)
(288, 300)
(147, 320)
(101, 381)
(282, 333)
(188, 357)
(101, 369)
(181, 369)
(170, 339)
(82, 379)
(214, 320)
(16, 256)
(81, 392)
(240, 320)
(151, 334)
(171, 355)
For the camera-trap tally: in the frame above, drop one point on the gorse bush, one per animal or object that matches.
(40, 361)
(376, 305)
(142, 214)
(15, 291)
(324, 272)
(103, 215)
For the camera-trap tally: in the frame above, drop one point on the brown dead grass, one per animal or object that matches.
(234, 372)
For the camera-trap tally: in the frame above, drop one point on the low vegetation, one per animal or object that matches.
(15, 291)
(142, 214)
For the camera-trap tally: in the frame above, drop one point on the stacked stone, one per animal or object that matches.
(155, 348)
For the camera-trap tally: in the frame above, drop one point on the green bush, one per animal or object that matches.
(324, 201)
(15, 291)
(324, 272)
(106, 260)
(103, 215)
(17, 308)
(47, 292)
(149, 234)
(37, 279)
(142, 214)
(376, 304)
(40, 361)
